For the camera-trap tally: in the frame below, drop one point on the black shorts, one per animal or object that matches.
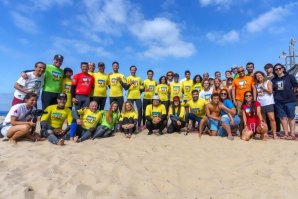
(267, 109)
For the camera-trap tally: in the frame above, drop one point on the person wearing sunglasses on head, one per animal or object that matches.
(284, 85)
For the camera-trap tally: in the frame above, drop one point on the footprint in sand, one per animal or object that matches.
(29, 192)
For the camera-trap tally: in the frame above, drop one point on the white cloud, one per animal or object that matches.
(267, 19)
(215, 2)
(162, 37)
(222, 38)
(24, 23)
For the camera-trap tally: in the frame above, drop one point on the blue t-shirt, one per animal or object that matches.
(229, 104)
(283, 88)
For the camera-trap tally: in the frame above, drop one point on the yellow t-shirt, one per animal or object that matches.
(66, 88)
(175, 90)
(197, 86)
(149, 84)
(155, 111)
(129, 114)
(187, 88)
(163, 92)
(100, 84)
(56, 117)
(134, 89)
(197, 107)
(182, 112)
(89, 119)
(116, 89)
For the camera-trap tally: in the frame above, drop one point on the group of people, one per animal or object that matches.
(246, 101)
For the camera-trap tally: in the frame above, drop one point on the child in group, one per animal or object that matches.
(108, 121)
(252, 118)
(128, 119)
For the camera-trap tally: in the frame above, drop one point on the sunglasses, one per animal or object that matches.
(223, 93)
(277, 69)
(240, 71)
(248, 95)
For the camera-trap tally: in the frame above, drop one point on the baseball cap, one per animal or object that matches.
(101, 63)
(155, 97)
(233, 67)
(62, 95)
(176, 98)
(58, 57)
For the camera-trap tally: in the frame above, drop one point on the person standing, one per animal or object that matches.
(269, 71)
(100, 86)
(134, 84)
(250, 69)
(66, 88)
(197, 85)
(187, 85)
(162, 90)
(53, 79)
(207, 90)
(81, 88)
(285, 99)
(149, 86)
(33, 83)
(116, 83)
(175, 88)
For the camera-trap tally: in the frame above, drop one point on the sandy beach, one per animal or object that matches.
(168, 166)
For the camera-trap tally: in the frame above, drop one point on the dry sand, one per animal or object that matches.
(168, 166)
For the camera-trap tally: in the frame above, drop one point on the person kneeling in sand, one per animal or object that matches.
(252, 118)
(18, 122)
(177, 116)
(128, 119)
(156, 116)
(87, 120)
(52, 121)
(213, 110)
(108, 121)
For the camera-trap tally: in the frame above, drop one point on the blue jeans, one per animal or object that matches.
(225, 119)
(194, 118)
(55, 138)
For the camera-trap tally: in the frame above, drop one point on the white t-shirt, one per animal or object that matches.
(33, 83)
(206, 94)
(263, 97)
(19, 111)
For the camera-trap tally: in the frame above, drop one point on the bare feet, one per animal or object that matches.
(13, 142)
(60, 142)
(76, 139)
(230, 138)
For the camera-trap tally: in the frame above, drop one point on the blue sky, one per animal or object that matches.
(199, 35)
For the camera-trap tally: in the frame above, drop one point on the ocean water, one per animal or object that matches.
(3, 113)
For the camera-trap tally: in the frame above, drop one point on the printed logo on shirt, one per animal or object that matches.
(197, 88)
(56, 116)
(90, 119)
(260, 92)
(86, 80)
(176, 89)
(56, 75)
(187, 88)
(37, 84)
(280, 85)
(101, 82)
(242, 84)
(151, 88)
(156, 114)
(207, 97)
(195, 110)
(164, 89)
(113, 81)
(67, 88)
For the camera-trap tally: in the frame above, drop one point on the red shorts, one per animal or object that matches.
(16, 101)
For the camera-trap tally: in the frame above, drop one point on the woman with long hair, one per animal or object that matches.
(177, 116)
(252, 118)
(108, 121)
(207, 90)
(265, 97)
(128, 119)
(18, 123)
(285, 99)
(162, 90)
(197, 83)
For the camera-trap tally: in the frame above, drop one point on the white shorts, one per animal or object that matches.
(5, 129)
